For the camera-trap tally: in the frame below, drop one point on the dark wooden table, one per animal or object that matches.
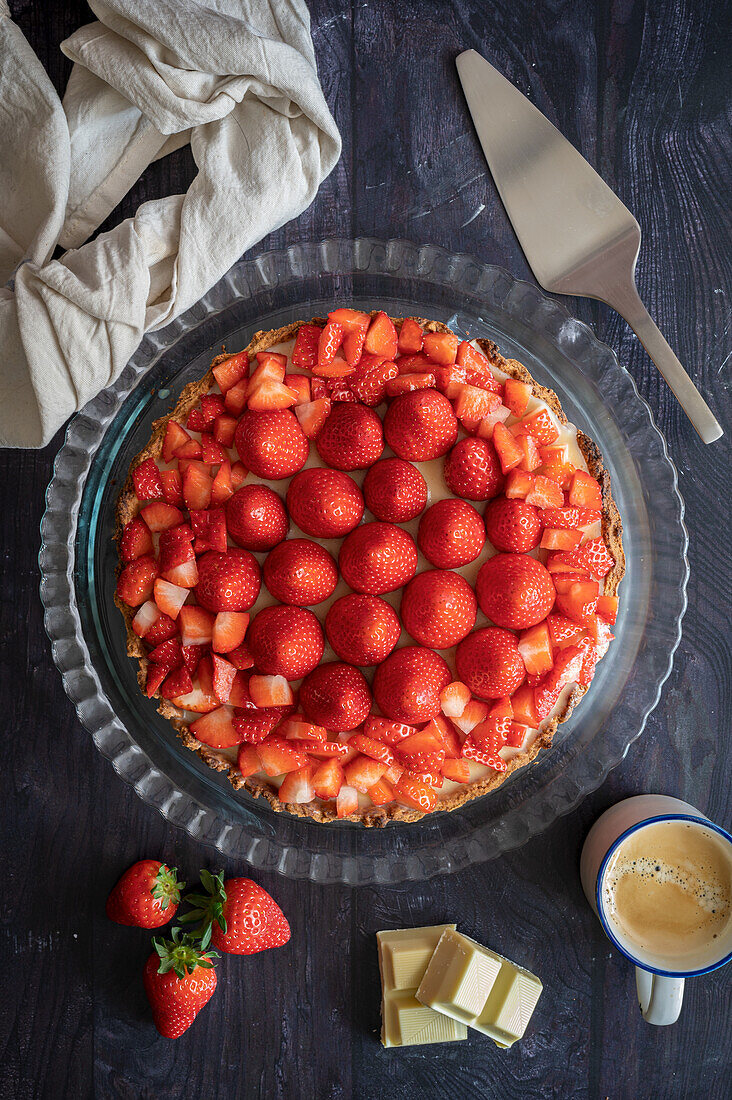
(641, 89)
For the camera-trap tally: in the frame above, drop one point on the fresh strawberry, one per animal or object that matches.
(489, 662)
(247, 760)
(512, 525)
(270, 691)
(197, 484)
(531, 458)
(172, 487)
(146, 479)
(354, 324)
(451, 534)
(592, 557)
(168, 654)
(565, 632)
(545, 493)
(336, 696)
(579, 602)
(297, 728)
(567, 669)
(135, 583)
(256, 518)
(212, 453)
(472, 470)
(300, 383)
(413, 792)
(239, 917)
(209, 527)
(377, 558)
(558, 539)
(351, 438)
(509, 452)
(196, 625)
(154, 677)
(192, 450)
(229, 629)
(286, 641)
(297, 787)
(175, 437)
(481, 755)
(300, 572)
(229, 581)
(222, 487)
(328, 779)
(362, 630)
(305, 351)
(381, 338)
(471, 403)
(438, 608)
(362, 772)
(279, 756)
(331, 338)
(408, 683)
(584, 491)
(420, 426)
(535, 648)
(179, 980)
(454, 699)
(268, 394)
(375, 749)
(607, 608)
(271, 444)
(382, 792)
(231, 370)
(254, 726)
(542, 426)
(383, 729)
(443, 729)
(325, 503)
(216, 728)
(240, 657)
(176, 683)
(330, 750)
(411, 337)
(347, 801)
(457, 771)
(135, 540)
(147, 615)
(408, 383)
(146, 896)
(395, 490)
(516, 396)
(477, 367)
(441, 347)
(224, 675)
(518, 485)
(569, 519)
(369, 385)
(515, 591)
(490, 735)
(313, 415)
(236, 397)
(524, 709)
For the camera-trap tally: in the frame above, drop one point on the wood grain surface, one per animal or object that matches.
(642, 88)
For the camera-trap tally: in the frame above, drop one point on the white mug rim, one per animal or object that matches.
(705, 823)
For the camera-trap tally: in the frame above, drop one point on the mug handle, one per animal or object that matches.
(659, 997)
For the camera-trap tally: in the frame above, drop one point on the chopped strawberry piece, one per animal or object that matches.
(175, 437)
(524, 709)
(168, 653)
(196, 625)
(331, 338)
(545, 493)
(222, 488)
(383, 729)
(564, 632)
(509, 451)
(485, 756)
(224, 428)
(424, 741)
(236, 397)
(200, 700)
(305, 351)
(209, 527)
(369, 386)
(406, 383)
(185, 573)
(607, 608)
(163, 628)
(478, 368)
(160, 516)
(375, 749)
(248, 761)
(254, 726)
(146, 478)
(410, 337)
(327, 750)
(444, 730)
(190, 450)
(240, 696)
(231, 371)
(192, 655)
(516, 396)
(475, 712)
(441, 347)
(516, 735)
(541, 425)
(564, 578)
(172, 487)
(362, 772)
(381, 338)
(561, 473)
(279, 756)
(177, 683)
(297, 786)
(584, 491)
(270, 394)
(270, 691)
(579, 601)
(567, 668)
(239, 474)
(328, 779)
(414, 793)
(272, 357)
(300, 383)
(297, 728)
(169, 597)
(454, 699)
(144, 619)
(216, 729)
(196, 488)
(351, 320)
(420, 364)
(228, 631)
(382, 792)
(458, 771)
(424, 763)
(569, 519)
(340, 390)
(490, 735)
(531, 458)
(240, 657)
(535, 648)
(313, 415)
(136, 541)
(223, 678)
(518, 485)
(353, 343)
(347, 801)
(135, 583)
(155, 676)
(592, 557)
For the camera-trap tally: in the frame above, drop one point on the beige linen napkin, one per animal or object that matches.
(237, 79)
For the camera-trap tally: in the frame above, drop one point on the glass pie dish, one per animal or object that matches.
(78, 557)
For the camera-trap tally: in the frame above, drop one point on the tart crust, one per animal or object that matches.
(373, 816)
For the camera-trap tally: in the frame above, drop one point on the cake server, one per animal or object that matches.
(575, 232)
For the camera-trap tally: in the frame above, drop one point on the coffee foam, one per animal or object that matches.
(668, 890)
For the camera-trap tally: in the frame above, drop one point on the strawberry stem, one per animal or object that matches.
(182, 954)
(208, 908)
(167, 888)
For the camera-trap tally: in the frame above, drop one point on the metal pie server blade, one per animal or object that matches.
(577, 235)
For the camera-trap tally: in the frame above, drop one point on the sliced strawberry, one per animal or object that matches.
(531, 458)
(177, 683)
(155, 676)
(135, 583)
(524, 708)
(279, 756)
(192, 655)
(518, 485)
(224, 428)
(347, 801)
(369, 386)
(236, 397)
(561, 473)
(564, 632)
(313, 415)
(216, 729)
(569, 519)
(422, 763)
(563, 577)
(472, 403)
(223, 678)
(584, 491)
(485, 756)
(414, 793)
(270, 691)
(420, 364)
(231, 371)
(146, 479)
(328, 750)
(375, 749)
(163, 628)
(607, 608)
(592, 557)
(516, 396)
(253, 726)
(328, 779)
(410, 337)
(240, 657)
(382, 792)
(192, 450)
(458, 771)
(270, 394)
(196, 625)
(535, 648)
(168, 653)
(175, 437)
(305, 351)
(340, 390)
(213, 453)
(383, 729)
(240, 696)
(542, 426)
(135, 541)
(169, 597)
(363, 771)
(579, 602)
(477, 367)
(441, 347)
(509, 451)
(172, 487)
(516, 735)
(297, 786)
(222, 488)
(196, 488)
(201, 700)
(228, 631)
(147, 615)
(545, 493)
(407, 383)
(567, 668)
(209, 527)
(381, 338)
(297, 728)
(300, 383)
(476, 711)
(555, 538)
(331, 338)
(455, 698)
(248, 761)
(443, 729)
(490, 735)
(161, 517)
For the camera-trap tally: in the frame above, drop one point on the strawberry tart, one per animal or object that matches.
(366, 567)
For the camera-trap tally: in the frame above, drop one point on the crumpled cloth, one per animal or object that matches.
(236, 78)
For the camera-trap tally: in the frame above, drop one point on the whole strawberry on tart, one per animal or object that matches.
(366, 567)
